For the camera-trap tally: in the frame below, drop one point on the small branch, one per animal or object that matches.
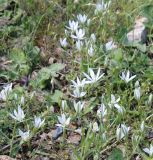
(110, 146)
(8, 146)
(46, 154)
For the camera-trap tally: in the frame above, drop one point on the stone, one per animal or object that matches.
(139, 33)
(74, 138)
(57, 133)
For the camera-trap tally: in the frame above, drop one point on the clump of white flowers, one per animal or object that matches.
(78, 106)
(93, 78)
(114, 102)
(63, 42)
(64, 105)
(149, 150)
(125, 76)
(102, 6)
(142, 126)
(63, 121)
(137, 91)
(93, 38)
(77, 93)
(38, 122)
(79, 45)
(79, 83)
(150, 99)
(95, 127)
(24, 135)
(83, 45)
(91, 51)
(82, 18)
(22, 101)
(78, 86)
(110, 45)
(73, 26)
(122, 131)
(5, 92)
(18, 114)
(102, 111)
(79, 34)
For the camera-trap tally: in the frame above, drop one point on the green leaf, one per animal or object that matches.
(147, 11)
(91, 105)
(19, 66)
(116, 154)
(3, 4)
(46, 73)
(151, 48)
(54, 68)
(118, 54)
(18, 15)
(18, 56)
(142, 47)
(57, 96)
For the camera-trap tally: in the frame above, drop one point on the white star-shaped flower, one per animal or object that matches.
(63, 121)
(125, 76)
(18, 114)
(93, 77)
(79, 34)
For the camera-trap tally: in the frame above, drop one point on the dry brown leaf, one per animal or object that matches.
(43, 136)
(50, 134)
(4, 157)
(41, 158)
(34, 75)
(72, 126)
(122, 148)
(4, 22)
(51, 60)
(74, 138)
(40, 98)
(138, 157)
(37, 158)
(64, 154)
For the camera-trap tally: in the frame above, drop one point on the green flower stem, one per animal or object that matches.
(13, 135)
(64, 135)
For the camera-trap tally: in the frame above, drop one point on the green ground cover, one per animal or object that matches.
(72, 85)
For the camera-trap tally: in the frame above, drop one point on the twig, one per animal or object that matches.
(46, 154)
(7, 62)
(7, 146)
(110, 146)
